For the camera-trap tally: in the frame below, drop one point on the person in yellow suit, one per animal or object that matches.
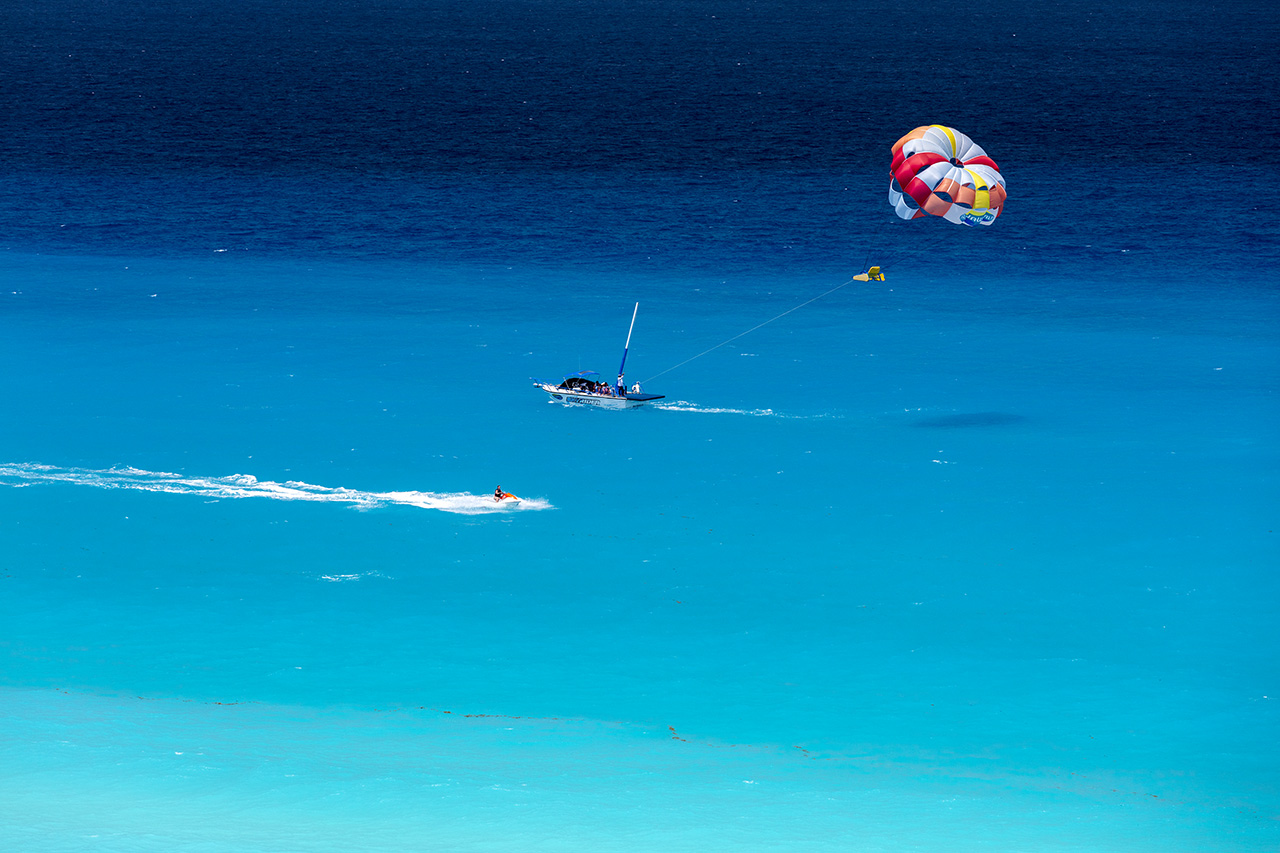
(872, 274)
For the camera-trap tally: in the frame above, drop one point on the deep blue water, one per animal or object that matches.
(978, 558)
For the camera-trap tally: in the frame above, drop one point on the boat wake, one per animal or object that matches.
(18, 474)
(684, 406)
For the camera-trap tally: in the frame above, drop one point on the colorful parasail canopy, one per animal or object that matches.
(941, 172)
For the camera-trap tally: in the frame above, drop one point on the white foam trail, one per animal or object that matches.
(685, 406)
(355, 577)
(247, 486)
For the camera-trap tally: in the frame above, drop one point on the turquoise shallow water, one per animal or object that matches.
(975, 563)
(188, 776)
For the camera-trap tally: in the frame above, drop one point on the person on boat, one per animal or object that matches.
(498, 494)
(635, 389)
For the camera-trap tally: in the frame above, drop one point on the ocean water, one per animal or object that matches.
(981, 557)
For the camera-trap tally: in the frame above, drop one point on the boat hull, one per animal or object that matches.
(581, 398)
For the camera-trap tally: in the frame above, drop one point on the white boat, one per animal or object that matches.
(585, 387)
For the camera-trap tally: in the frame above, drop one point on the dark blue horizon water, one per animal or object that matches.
(388, 127)
(632, 136)
(400, 86)
(978, 558)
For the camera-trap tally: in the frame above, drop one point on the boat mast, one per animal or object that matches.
(628, 345)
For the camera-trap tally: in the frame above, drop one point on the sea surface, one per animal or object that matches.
(982, 557)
